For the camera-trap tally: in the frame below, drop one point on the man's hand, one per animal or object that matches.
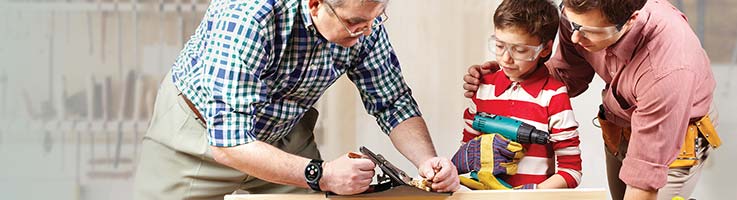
(346, 176)
(637, 193)
(472, 79)
(441, 173)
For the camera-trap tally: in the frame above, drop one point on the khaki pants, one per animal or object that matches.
(176, 162)
(681, 181)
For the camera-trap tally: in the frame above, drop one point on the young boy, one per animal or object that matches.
(524, 31)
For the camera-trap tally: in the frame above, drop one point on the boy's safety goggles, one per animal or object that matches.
(520, 52)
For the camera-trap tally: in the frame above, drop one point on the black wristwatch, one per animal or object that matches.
(313, 173)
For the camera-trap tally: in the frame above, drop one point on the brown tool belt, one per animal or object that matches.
(613, 135)
(193, 108)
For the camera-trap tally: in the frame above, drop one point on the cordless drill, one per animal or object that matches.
(512, 129)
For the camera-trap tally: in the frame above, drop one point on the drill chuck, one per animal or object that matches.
(527, 134)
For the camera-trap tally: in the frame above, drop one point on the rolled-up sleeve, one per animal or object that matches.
(659, 125)
(233, 59)
(378, 77)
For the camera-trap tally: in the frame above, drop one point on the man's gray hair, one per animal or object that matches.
(338, 3)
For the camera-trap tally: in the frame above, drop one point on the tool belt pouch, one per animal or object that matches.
(612, 135)
(706, 129)
(687, 155)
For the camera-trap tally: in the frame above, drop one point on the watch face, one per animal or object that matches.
(312, 171)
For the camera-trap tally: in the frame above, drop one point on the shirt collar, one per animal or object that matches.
(532, 85)
(305, 11)
(307, 19)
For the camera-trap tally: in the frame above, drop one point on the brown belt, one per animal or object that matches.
(194, 109)
(687, 155)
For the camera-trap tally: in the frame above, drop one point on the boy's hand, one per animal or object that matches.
(473, 78)
(505, 155)
(441, 173)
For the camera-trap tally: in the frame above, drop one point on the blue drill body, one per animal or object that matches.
(512, 129)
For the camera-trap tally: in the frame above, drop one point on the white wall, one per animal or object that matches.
(717, 180)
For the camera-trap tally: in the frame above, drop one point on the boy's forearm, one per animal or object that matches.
(554, 182)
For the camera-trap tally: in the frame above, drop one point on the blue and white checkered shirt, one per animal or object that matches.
(254, 67)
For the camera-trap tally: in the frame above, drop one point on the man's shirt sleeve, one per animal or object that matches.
(234, 56)
(379, 80)
(659, 124)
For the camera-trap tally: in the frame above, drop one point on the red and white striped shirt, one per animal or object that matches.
(543, 102)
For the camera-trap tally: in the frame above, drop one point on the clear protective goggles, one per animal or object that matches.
(521, 52)
(590, 32)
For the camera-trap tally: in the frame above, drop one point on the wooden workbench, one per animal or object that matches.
(561, 194)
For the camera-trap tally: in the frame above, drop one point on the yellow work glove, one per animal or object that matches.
(489, 182)
(492, 183)
(488, 155)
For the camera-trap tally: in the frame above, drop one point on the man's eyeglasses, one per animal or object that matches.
(590, 32)
(377, 22)
(520, 52)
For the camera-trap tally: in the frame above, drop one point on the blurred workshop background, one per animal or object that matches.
(78, 79)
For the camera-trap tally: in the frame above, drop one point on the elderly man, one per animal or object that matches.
(235, 111)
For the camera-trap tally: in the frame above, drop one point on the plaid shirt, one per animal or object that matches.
(253, 68)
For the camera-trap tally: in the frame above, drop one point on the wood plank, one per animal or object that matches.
(556, 194)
